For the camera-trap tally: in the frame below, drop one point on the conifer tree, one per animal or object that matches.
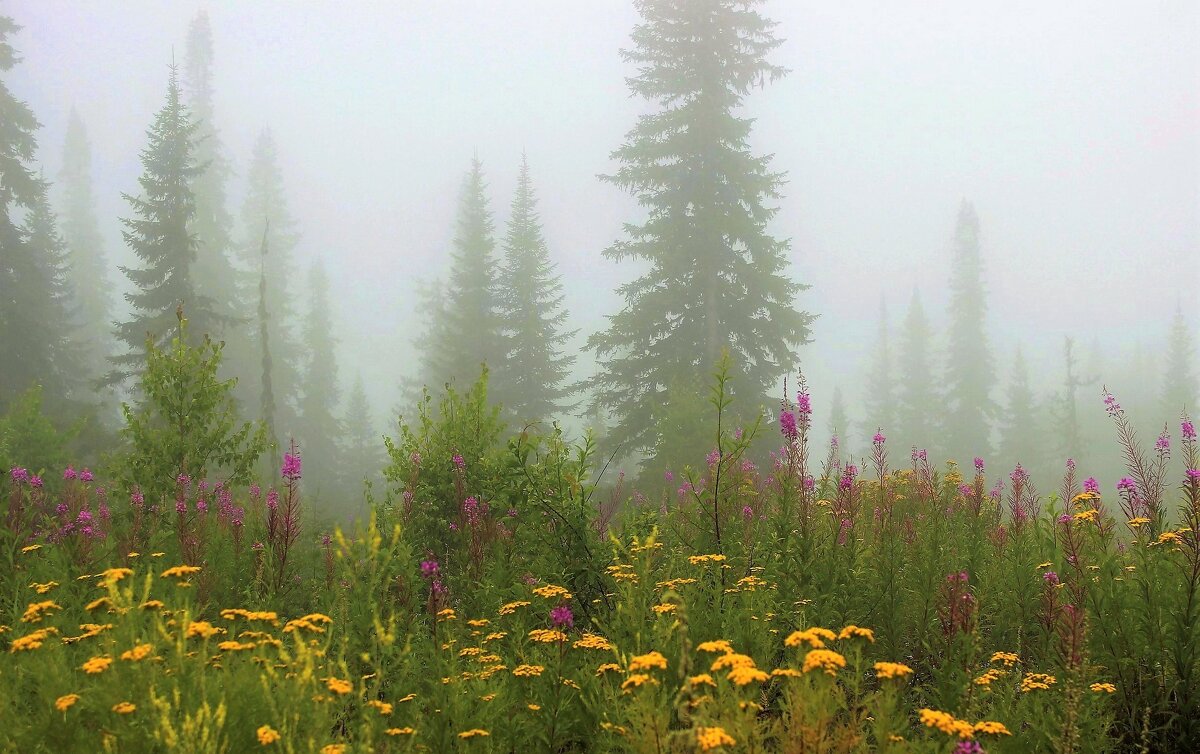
(33, 325)
(880, 403)
(1180, 386)
(363, 444)
(917, 398)
(86, 260)
(320, 431)
(160, 235)
(267, 222)
(715, 276)
(970, 374)
(531, 317)
(1020, 435)
(467, 332)
(212, 272)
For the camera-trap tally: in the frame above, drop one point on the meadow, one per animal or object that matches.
(496, 598)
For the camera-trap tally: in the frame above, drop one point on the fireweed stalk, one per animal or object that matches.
(283, 524)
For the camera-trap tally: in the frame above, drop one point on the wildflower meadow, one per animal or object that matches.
(498, 598)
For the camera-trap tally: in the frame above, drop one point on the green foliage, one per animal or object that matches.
(28, 437)
(319, 430)
(186, 421)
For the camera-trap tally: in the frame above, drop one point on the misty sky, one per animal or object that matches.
(1072, 126)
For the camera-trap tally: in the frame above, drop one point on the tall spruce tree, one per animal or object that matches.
(970, 372)
(320, 430)
(1180, 386)
(467, 332)
(212, 225)
(86, 259)
(917, 398)
(33, 324)
(1020, 435)
(160, 235)
(267, 221)
(531, 385)
(363, 444)
(880, 402)
(715, 277)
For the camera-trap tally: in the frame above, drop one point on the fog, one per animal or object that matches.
(1071, 127)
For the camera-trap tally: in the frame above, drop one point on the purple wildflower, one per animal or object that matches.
(291, 466)
(1050, 577)
(458, 462)
(803, 404)
(1091, 485)
(18, 474)
(429, 568)
(668, 476)
(85, 475)
(787, 425)
(1187, 429)
(1163, 443)
(272, 499)
(879, 439)
(35, 481)
(562, 616)
(978, 465)
(69, 472)
(747, 512)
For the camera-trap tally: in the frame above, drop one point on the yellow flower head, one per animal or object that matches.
(406, 731)
(267, 735)
(478, 622)
(474, 732)
(593, 641)
(993, 728)
(201, 628)
(64, 702)
(552, 591)
(731, 661)
(720, 645)
(1035, 681)
(140, 652)
(824, 659)
(113, 575)
(855, 632)
(1008, 658)
(664, 608)
(986, 679)
(96, 665)
(124, 708)
(338, 686)
(151, 605)
(892, 670)
(1103, 688)
(547, 636)
(527, 671)
(785, 673)
(512, 607)
(705, 559)
(704, 679)
(608, 667)
(38, 610)
(636, 681)
(743, 675)
(180, 571)
(32, 640)
(648, 661)
(947, 723)
(814, 637)
(713, 738)
(43, 588)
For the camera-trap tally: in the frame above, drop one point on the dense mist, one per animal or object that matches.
(1070, 130)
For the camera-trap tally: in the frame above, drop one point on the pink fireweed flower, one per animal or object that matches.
(1110, 404)
(668, 476)
(1187, 429)
(181, 506)
(458, 462)
(747, 512)
(713, 456)
(803, 404)
(1163, 443)
(35, 481)
(787, 425)
(978, 465)
(512, 512)
(182, 480)
(453, 526)
(69, 473)
(1019, 475)
(429, 568)
(1193, 475)
(137, 498)
(415, 458)
(1127, 485)
(1050, 577)
(291, 466)
(1070, 464)
(202, 505)
(19, 474)
(1091, 485)
(85, 475)
(272, 499)
(879, 439)
(255, 491)
(562, 616)
(809, 483)
(920, 455)
(966, 490)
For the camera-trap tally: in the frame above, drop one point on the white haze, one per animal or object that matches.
(1074, 127)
